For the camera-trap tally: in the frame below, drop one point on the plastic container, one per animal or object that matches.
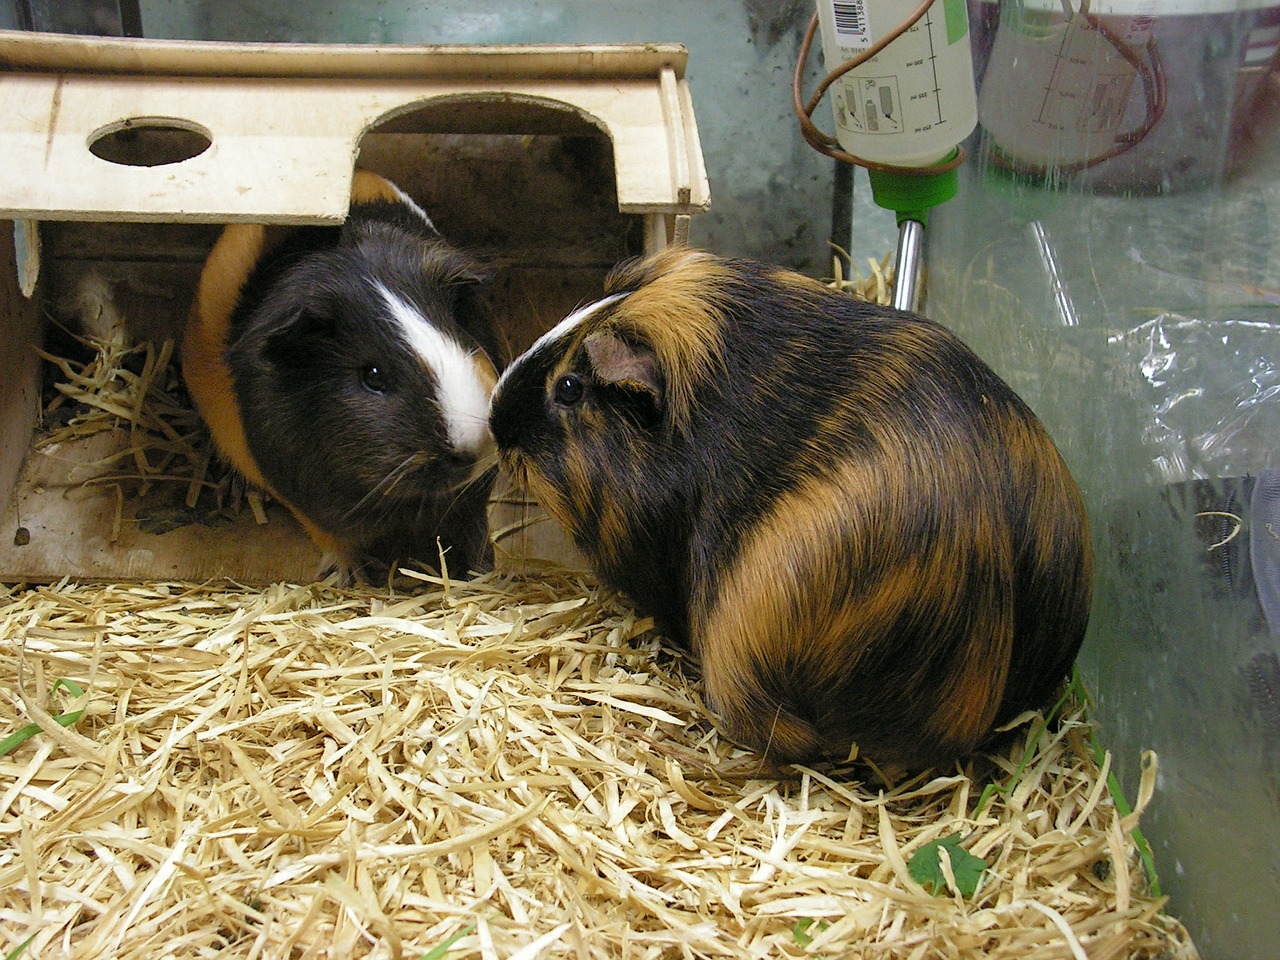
(1141, 323)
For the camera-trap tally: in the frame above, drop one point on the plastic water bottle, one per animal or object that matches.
(912, 103)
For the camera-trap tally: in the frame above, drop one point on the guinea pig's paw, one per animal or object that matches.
(338, 568)
(229, 486)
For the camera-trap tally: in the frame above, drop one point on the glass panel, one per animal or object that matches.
(1113, 252)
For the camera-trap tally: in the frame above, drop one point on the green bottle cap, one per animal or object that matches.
(911, 195)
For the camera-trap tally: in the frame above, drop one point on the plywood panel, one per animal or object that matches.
(281, 147)
(20, 324)
(21, 50)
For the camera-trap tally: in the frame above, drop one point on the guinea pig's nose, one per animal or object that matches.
(501, 429)
(508, 421)
(474, 442)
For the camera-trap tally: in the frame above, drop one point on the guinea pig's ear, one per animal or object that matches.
(295, 341)
(630, 367)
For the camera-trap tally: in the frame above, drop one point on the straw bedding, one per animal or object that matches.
(510, 767)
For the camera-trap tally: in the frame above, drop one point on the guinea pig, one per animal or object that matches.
(347, 371)
(860, 531)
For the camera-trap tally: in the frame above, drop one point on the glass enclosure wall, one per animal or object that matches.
(1115, 253)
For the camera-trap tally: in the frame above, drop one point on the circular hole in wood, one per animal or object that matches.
(149, 141)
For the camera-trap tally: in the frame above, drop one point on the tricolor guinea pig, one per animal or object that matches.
(347, 371)
(856, 526)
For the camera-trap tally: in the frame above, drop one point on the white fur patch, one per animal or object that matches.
(561, 329)
(408, 202)
(461, 395)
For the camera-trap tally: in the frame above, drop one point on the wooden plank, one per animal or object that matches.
(535, 201)
(679, 147)
(307, 130)
(83, 531)
(20, 324)
(699, 183)
(73, 531)
(50, 52)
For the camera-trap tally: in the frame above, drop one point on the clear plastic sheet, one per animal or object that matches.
(1213, 389)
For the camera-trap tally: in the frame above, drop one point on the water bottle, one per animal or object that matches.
(914, 101)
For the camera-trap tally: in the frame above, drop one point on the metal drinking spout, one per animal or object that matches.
(907, 259)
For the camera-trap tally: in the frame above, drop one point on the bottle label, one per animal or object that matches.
(853, 30)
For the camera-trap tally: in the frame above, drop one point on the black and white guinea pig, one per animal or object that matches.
(858, 528)
(347, 371)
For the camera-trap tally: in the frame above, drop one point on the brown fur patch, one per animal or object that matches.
(486, 372)
(780, 617)
(233, 257)
(1029, 444)
(967, 707)
(676, 303)
(368, 187)
(804, 287)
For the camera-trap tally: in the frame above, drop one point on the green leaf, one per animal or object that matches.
(76, 690)
(925, 867)
(21, 736)
(438, 952)
(20, 948)
(800, 932)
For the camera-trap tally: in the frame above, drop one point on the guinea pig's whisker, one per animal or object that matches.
(486, 463)
(388, 483)
(476, 476)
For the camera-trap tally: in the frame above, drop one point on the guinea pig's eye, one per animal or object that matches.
(568, 390)
(374, 379)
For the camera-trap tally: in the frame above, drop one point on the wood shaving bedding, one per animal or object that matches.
(516, 767)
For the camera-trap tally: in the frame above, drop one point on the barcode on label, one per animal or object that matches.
(851, 18)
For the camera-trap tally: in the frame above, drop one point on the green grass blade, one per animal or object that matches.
(439, 952)
(1074, 687)
(21, 736)
(1123, 808)
(20, 948)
